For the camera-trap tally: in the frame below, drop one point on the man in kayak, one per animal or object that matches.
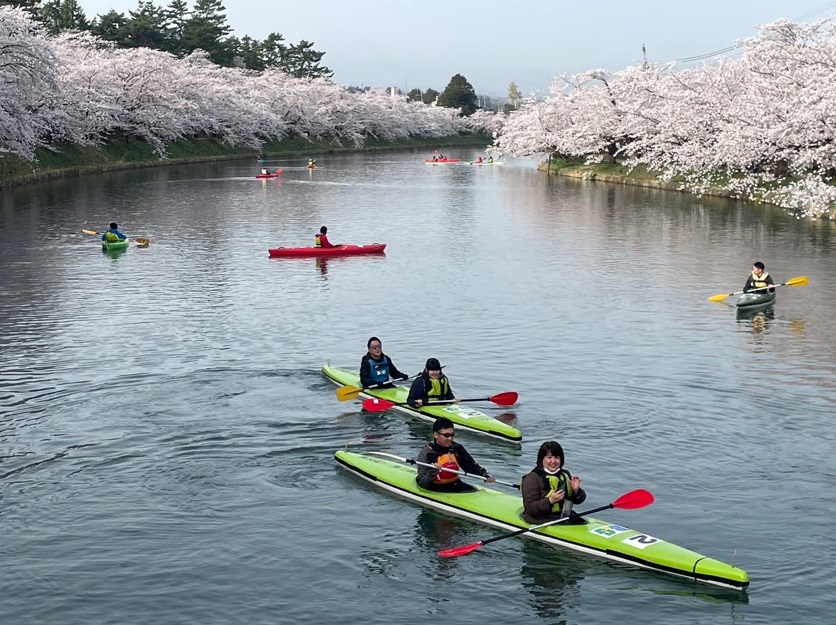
(443, 453)
(432, 384)
(376, 369)
(265, 171)
(759, 279)
(113, 235)
(322, 238)
(549, 490)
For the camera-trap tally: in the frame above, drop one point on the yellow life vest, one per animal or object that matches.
(319, 240)
(111, 237)
(556, 483)
(438, 388)
(759, 282)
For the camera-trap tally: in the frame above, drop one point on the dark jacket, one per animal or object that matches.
(429, 454)
(764, 277)
(366, 380)
(421, 387)
(535, 489)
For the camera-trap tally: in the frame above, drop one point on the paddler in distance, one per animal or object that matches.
(376, 369)
(443, 452)
(113, 235)
(321, 239)
(432, 384)
(758, 279)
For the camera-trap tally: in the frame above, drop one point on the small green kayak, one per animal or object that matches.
(754, 300)
(461, 416)
(502, 510)
(115, 246)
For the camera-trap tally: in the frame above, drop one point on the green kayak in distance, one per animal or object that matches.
(502, 510)
(462, 416)
(115, 246)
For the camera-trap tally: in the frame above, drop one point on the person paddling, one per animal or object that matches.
(265, 171)
(376, 369)
(113, 235)
(432, 384)
(321, 239)
(759, 279)
(443, 453)
(549, 490)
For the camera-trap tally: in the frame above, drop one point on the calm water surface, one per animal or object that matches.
(167, 439)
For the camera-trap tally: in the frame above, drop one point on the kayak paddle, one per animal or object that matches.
(799, 281)
(432, 466)
(629, 501)
(141, 240)
(348, 392)
(379, 405)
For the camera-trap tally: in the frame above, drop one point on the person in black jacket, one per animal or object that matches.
(431, 385)
(443, 453)
(549, 490)
(758, 279)
(376, 369)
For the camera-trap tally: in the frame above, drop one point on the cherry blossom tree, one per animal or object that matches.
(27, 76)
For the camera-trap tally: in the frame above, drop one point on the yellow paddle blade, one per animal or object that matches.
(345, 393)
(718, 298)
(85, 231)
(143, 241)
(799, 281)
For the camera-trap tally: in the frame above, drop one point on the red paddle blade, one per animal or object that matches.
(377, 405)
(634, 499)
(455, 552)
(505, 399)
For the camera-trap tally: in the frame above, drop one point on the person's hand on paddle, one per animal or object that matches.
(489, 479)
(404, 377)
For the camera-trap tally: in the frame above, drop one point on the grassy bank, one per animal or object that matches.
(639, 176)
(74, 160)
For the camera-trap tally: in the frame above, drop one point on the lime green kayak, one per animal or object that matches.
(461, 416)
(113, 246)
(502, 510)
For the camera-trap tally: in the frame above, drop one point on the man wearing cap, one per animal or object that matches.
(431, 385)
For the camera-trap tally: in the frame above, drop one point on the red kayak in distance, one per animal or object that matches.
(446, 160)
(339, 250)
(273, 175)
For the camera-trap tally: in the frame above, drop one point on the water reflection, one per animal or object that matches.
(551, 577)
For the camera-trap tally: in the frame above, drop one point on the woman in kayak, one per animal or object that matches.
(376, 369)
(322, 238)
(759, 279)
(549, 490)
(431, 384)
(443, 453)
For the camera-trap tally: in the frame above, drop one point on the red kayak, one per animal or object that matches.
(273, 175)
(339, 250)
(446, 160)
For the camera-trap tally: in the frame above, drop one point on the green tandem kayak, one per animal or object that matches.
(502, 510)
(462, 416)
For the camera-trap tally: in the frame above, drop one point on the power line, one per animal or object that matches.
(708, 55)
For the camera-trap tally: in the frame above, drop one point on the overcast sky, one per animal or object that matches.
(423, 43)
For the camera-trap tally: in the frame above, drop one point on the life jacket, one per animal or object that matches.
(111, 237)
(559, 482)
(449, 461)
(319, 240)
(264, 171)
(379, 370)
(758, 282)
(438, 388)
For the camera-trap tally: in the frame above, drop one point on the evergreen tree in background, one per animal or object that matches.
(60, 15)
(459, 94)
(303, 61)
(207, 29)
